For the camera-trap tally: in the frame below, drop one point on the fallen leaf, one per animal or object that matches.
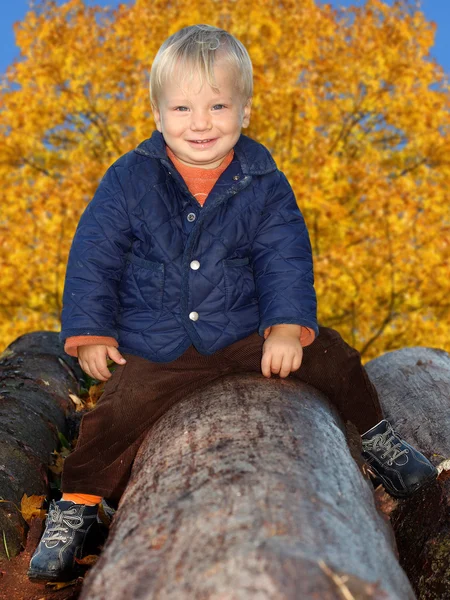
(385, 502)
(91, 559)
(77, 401)
(444, 466)
(59, 585)
(444, 475)
(58, 463)
(368, 471)
(31, 506)
(58, 460)
(103, 516)
(95, 391)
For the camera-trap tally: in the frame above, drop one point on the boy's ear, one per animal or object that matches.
(157, 117)
(247, 111)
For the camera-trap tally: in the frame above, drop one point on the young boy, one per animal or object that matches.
(193, 261)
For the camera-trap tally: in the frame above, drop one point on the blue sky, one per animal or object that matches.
(14, 10)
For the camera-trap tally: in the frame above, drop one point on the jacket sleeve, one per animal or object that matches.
(95, 264)
(307, 335)
(73, 343)
(282, 262)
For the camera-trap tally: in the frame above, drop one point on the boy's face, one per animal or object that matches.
(200, 126)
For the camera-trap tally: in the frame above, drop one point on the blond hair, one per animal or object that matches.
(193, 51)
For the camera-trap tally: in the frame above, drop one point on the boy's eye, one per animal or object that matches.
(183, 108)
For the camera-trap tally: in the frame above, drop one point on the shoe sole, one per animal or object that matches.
(39, 577)
(402, 496)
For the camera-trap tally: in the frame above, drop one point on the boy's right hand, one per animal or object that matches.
(92, 359)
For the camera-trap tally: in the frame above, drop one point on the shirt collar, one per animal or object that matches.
(255, 159)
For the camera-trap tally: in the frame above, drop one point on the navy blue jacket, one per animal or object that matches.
(152, 268)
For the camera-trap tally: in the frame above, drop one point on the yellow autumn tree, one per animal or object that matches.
(353, 108)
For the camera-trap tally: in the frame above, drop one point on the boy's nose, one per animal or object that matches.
(200, 122)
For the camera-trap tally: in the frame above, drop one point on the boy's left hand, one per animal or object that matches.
(282, 351)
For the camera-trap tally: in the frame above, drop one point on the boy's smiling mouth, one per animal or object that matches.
(202, 143)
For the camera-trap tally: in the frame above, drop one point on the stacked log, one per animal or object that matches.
(247, 489)
(36, 378)
(414, 388)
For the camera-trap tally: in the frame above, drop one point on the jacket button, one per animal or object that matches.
(191, 217)
(195, 265)
(193, 316)
(236, 177)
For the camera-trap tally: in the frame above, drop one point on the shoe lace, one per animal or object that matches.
(384, 441)
(60, 521)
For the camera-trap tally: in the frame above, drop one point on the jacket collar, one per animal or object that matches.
(255, 159)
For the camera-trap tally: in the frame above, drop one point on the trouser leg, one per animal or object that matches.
(331, 366)
(335, 368)
(140, 392)
(134, 398)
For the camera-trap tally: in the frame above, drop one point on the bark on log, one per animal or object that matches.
(414, 388)
(36, 377)
(239, 492)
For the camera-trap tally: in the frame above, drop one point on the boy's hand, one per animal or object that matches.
(92, 359)
(282, 351)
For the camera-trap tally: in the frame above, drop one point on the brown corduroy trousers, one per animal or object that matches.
(140, 391)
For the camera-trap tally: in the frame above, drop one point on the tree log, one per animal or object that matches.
(414, 388)
(246, 490)
(36, 377)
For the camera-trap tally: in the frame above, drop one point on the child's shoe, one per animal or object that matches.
(401, 469)
(67, 527)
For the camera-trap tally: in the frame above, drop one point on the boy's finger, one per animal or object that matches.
(84, 367)
(99, 376)
(101, 371)
(297, 363)
(275, 364)
(286, 366)
(88, 370)
(115, 355)
(265, 364)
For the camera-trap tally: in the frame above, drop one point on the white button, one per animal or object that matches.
(191, 217)
(195, 265)
(193, 316)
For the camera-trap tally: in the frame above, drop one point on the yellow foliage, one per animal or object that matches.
(31, 506)
(349, 101)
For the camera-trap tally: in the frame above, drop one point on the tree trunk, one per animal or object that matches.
(36, 377)
(248, 490)
(414, 389)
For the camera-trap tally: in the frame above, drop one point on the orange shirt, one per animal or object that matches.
(200, 182)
